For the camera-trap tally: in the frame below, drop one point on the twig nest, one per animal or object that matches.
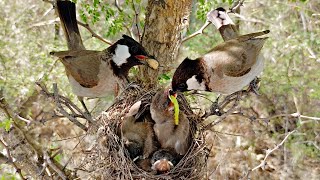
(109, 159)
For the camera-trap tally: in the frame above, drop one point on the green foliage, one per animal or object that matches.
(164, 78)
(58, 157)
(8, 176)
(112, 19)
(205, 6)
(6, 124)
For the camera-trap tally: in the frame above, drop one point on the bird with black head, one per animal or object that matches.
(97, 73)
(229, 66)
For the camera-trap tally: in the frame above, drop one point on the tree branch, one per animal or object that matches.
(116, 3)
(235, 8)
(4, 144)
(136, 20)
(93, 33)
(59, 100)
(49, 162)
(200, 31)
(268, 152)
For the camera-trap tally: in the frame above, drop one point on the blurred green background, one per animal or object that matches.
(289, 83)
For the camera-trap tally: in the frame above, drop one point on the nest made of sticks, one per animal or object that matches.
(108, 158)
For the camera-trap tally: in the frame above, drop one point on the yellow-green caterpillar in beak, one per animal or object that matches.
(176, 109)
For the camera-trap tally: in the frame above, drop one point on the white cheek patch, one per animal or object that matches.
(121, 54)
(219, 18)
(193, 83)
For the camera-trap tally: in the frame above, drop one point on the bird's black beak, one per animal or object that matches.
(173, 93)
(149, 61)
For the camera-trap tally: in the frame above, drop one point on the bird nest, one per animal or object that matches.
(109, 159)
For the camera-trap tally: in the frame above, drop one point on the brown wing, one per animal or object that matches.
(83, 66)
(235, 57)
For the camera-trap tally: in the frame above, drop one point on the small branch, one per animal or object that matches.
(294, 115)
(62, 111)
(116, 3)
(4, 144)
(217, 107)
(49, 162)
(59, 100)
(200, 31)
(93, 33)
(268, 152)
(243, 18)
(136, 20)
(235, 8)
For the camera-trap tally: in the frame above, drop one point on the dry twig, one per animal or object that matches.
(136, 20)
(200, 31)
(268, 152)
(49, 162)
(93, 33)
(10, 159)
(236, 6)
(59, 100)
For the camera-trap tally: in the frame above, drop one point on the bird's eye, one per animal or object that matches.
(134, 49)
(182, 86)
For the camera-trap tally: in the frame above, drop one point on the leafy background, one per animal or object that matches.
(289, 84)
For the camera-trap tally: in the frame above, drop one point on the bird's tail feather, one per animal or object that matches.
(253, 35)
(68, 19)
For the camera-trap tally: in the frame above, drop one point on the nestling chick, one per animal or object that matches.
(228, 67)
(169, 135)
(164, 160)
(97, 73)
(138, 135)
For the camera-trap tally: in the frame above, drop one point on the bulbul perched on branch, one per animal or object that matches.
(229, 66)
(97, 73)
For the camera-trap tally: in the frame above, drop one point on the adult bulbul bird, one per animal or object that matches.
(169, 135)
(97, 73)
(137, 134)
(229, 66)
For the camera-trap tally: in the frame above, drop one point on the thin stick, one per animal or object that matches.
(268, 152)
(116, 3)
(48, 160)
(67, 102)
(200, 31)
(62, 111)
(4, 144)
(236, 6)
(93, 33)
(137, 20)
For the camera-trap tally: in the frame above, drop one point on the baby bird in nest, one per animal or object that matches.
(137, 134)
(169, 134)
(164, 160)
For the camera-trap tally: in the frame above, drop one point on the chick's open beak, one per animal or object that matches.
(151, 62)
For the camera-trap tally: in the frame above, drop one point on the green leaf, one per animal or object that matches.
(6, 124)
(96, 3)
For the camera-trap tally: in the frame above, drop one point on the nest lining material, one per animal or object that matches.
(108, 158)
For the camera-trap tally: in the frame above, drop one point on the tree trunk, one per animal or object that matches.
(165, 21)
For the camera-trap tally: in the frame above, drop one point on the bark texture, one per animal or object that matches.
(164, 25)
